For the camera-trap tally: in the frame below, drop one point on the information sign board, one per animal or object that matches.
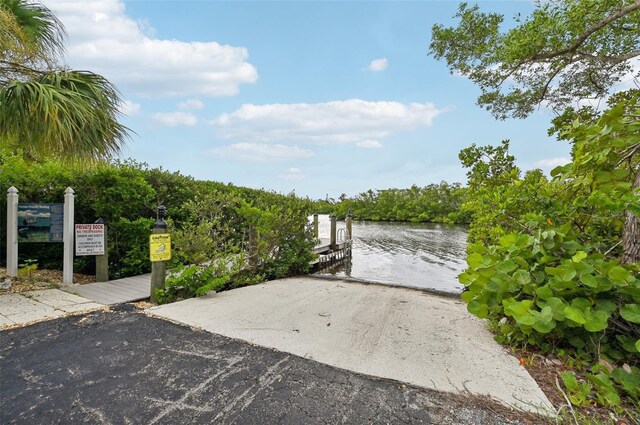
(90, 239)
(160, 247)
(40, 222)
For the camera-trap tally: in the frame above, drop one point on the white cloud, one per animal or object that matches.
(378, 65)
(174, 119)
(293, 174)
(130, 109)
(344, 121)
(369, 144)
(190, 105)
(552, 162)
(105, 40)
(258, 152)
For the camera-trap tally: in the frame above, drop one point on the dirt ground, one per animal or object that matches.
(39, 279)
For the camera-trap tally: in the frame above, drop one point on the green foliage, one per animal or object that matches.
(578, 392)
(436, 203)
(27, 268)
(239, 242)
(191, 281)
(209, 221)
(564, 51)
(545, 260)
(489, 166)
(129, 247)
(499, 201)
(549, 288)
(45, 108)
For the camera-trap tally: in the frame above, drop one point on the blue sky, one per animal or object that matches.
(322, 98)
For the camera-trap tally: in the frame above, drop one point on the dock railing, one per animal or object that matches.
(338, 247)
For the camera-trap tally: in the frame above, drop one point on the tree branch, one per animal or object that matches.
(613, 60)
(589, 31)
(546, 86)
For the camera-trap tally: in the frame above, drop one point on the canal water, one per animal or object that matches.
(422, 255)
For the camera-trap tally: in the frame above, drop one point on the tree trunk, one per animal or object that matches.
(631, 233)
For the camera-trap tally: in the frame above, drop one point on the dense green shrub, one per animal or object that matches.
(436, 203)
(546, 257)
(191, 281)
(209, 221)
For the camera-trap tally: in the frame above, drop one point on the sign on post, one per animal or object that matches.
(90, 239)
(40, 222)
(160, 247)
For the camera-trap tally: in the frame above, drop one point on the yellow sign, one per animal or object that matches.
(160, 247)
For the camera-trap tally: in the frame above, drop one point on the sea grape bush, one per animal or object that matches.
(550, 290)
(547, 261)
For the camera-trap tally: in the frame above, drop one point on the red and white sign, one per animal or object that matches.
(90, 239)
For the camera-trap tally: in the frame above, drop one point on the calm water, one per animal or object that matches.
(420, 255)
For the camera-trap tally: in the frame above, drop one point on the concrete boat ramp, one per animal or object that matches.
(387, 332)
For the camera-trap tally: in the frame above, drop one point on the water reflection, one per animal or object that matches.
(421, 255)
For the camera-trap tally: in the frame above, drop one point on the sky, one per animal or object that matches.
(320, 98)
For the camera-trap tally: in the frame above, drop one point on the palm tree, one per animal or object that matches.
(47, 110)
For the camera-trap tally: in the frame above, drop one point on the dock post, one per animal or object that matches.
(349, 225)
(333, 244)
(102, 261)
(315, 225)
(158, 268)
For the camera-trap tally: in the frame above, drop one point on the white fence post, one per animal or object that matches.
(67, 237)
(12, 232)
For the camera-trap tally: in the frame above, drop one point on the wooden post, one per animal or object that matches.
(349, 225)
(158, 268)
(102, 261)
(315, 225)
(333, 236)
(67, 237)
(12, 232)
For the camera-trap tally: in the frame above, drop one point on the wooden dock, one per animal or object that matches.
(328, 255)
(118, 291)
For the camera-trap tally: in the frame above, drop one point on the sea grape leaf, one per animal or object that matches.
(574, 314)
(589, 280)
(620, 274)
(478, 308)
(544, 292)
(631, 312)
(522, 277)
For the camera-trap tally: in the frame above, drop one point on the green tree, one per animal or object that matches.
(45, 108)
(489, 166)
(606, 159)
(564, 51)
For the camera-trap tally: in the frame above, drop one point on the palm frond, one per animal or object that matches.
(68, 114)
(34, 28)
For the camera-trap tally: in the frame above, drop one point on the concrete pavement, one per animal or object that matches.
(386, 332)
(34, 306)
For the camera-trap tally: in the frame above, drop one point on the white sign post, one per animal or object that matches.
(90, 239)
(67, 237)
(12, 232)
